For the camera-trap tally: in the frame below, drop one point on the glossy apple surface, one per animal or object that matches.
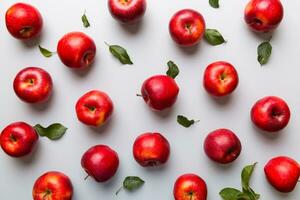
(33, 85)
(151, 149)
(18, 139)
(187, 27)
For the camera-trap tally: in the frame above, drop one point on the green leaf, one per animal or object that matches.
(214, 3)
(131, 183)
(245, 176)
(120, 53)
(173, 70)
(45, 52)
(53, 132)
(230, 194)
(184, 121)
(214, 37)
(85, 20)
(264, 51)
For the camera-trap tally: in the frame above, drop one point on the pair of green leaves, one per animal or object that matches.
(214, 3)
(53, 132)
(247, 192)
(264, 51)
(131, 183)
(214, 37)
(185, 122)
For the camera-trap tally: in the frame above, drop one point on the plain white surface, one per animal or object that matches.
(150, 47)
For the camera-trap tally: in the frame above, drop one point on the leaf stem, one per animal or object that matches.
(121, 188)
(106, 44)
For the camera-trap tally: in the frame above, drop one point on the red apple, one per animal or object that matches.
(160, 92)
(270, 114)
(100, 162)
(94, 108)
(187, 27)
(222, 146)
(127, 11)
(18, 139)
(220, 79)
(23, 21)
(190, 187)
(52, 186)
(33, 85)
(151, 149)
(76, 50)
(263, 15)
(283, 173)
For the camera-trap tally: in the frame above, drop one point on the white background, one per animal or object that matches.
(150, 47)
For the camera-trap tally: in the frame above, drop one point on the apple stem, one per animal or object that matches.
(270, 38)
(139, 95)
(87, 176)
(117, 192)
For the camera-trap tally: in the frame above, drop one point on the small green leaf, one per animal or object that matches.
(214, 3)
(53, 132)
(131, 183)
(214, 37)
(264, 51)
(120, 53)
(173, 70)
(230, 194)
(85, 20)
(184, 121)
(45, 52)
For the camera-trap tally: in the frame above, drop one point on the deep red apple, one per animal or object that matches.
(151, 149)
(283, 173)
(222, 146)
(220, 79)
(160, 92)
(190, 186)
(270, 114)
(18, 139)
(33, 85)
(94, 108)
(23, 21)
(100, 162)
(127, 11)
(187, 27)
(52, 185)
(263, 15)
(76, 50)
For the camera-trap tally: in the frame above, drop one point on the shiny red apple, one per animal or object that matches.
(33, 85)
(18, 139)
(263, 15)
(160, 92)
(190, 186)
(283, 173)
(270, 114)
(76, 50)
(52, 185)
(23, 21)
(100, 162)
(151, 149)
(187, 27)
(220, 79)
(127, 11)
(222, 146)
(94, 108)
